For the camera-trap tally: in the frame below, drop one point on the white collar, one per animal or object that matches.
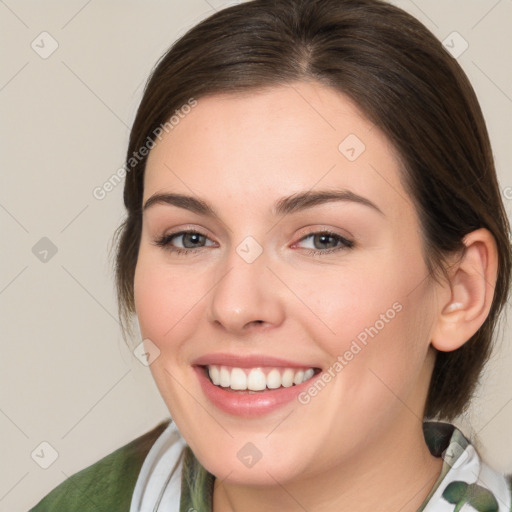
(159, 481)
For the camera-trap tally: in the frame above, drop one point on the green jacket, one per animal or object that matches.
(100, 487)
(108, 485)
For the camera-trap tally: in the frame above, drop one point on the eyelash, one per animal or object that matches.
(165, 242)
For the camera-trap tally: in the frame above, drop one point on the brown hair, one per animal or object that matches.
(403, 80)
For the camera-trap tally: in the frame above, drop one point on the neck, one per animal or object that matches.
(397, 473)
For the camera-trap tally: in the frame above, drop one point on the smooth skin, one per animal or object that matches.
(358, 444)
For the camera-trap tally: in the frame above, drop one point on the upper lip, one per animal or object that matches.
(247, 361)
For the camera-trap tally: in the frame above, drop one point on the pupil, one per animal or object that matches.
(324, 239)
(190, 239)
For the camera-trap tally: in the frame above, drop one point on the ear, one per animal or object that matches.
(466, 303)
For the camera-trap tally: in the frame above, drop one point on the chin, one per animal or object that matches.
(243, 462)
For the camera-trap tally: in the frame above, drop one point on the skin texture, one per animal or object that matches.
(357, 445)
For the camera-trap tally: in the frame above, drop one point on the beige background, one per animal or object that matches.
(67, 376)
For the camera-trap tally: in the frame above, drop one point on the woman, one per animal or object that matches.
(317, 255)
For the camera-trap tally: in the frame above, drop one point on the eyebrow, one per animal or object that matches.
(284, 206)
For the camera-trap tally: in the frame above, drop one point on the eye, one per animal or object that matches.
(325, 242)
(321, 242)
(184, 241)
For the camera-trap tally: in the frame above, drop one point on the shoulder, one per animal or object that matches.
(105, 485)
(465, 476)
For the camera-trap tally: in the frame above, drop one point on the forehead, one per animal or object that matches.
(279, 141)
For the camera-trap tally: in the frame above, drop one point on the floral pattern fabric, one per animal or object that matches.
(158, 471)
(465, 483)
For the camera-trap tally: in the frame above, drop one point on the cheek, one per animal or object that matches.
(349, 302)
(151, 304)
(376, 316)
(165, 301)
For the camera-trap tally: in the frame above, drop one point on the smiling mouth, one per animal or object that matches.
(257, 380)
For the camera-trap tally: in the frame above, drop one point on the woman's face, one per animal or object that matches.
(303, 255)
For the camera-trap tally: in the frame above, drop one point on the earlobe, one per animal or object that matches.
(471, 286)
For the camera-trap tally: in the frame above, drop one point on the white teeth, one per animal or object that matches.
(308, 374)
(299, 377)
(225, 377)
(274, 379)
(256, 380)
(287, 378)
(240, 379)
(215, 375)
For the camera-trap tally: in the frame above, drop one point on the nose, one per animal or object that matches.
(246, 297)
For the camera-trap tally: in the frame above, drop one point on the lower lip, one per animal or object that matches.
(245, 404)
